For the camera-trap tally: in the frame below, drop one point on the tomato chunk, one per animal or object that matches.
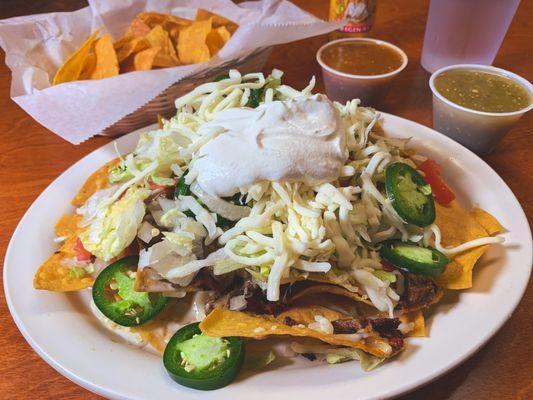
(387, 266)
(81, 253)
(441, 192)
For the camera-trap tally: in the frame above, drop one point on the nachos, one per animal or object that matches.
(266, 211)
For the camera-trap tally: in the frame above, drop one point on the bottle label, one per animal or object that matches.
(360, 14)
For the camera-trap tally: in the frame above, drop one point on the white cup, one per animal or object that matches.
(480, 131)
(371, 89)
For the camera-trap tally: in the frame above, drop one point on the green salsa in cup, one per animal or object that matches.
(482, 91)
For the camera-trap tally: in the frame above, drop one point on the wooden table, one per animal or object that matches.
(31, 157)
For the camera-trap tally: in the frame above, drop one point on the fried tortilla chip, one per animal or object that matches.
(72, 68)
(221, 323)
(170, 23)
(144, 60)
(329, 289)
(217, 20)
(192, 46)
(106, 59)
(459, 226)
(129, 47)
(166, 56)
(419, 324)
(307, 314)
(97, 181)
(167, 21)
(487, 221)
(138, 28)
(53, 274)
(216, 39)
(160, 329)
(68, 225)
(88, 67)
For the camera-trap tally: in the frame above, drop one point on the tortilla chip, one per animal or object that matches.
(170, 23)
(306, 314)
(459, 226)
(53, 274)
(487, 221)
(217, 20)
(144, 60)
(192, 48)
(97, 181)
(167, 21)
(106, 59)
(68, 225)
(72, 68)
(56, 277)
(222, 323)
(160, 329)
(417, 318)
(216, 39)
(330, 289)
(129, 47)
(138, 28)
(166, 56)
(149, 280)
(88, 67)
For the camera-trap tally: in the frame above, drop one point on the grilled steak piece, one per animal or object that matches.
(349, 325)
(257, 302)
(309, 356)
(385, 326)
(419, 291)
(388, 329)
(289, 321)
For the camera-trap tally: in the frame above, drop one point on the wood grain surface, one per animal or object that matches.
(31, 157)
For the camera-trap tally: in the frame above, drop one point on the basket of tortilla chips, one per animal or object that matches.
(155, 40)
(114, 66)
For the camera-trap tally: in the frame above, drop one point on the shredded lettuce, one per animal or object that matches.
(115, 226)
(161, 147)
(334, 355)
(77, 272)
(367, 361)
(226, 266)
(385, 276)
(258, 359)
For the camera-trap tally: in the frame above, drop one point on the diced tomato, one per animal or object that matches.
(81, 253)
(387, 266)
(441, 192)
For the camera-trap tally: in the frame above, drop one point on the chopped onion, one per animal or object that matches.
(237, 303)
(219, 206)
(166, 204)
(146, 231)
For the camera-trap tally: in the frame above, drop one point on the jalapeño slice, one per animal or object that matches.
(413, 258)
(202, 362)
(114, 296)
(409, 194)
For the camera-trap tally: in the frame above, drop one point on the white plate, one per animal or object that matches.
(62, 330)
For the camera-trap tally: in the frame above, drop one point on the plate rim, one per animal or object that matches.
(398, 390)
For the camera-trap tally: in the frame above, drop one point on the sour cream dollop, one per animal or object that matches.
(299, 140)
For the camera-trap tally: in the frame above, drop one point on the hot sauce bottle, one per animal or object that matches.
(360, 15)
